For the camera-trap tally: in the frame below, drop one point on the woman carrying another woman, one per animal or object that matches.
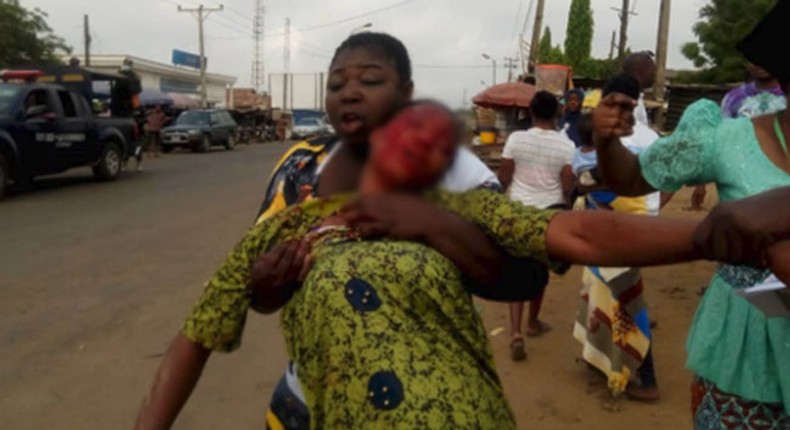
(739, 356)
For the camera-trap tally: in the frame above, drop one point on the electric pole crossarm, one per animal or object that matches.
(202, 13)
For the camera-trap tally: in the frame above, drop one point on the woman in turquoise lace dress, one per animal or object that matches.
(740, 357)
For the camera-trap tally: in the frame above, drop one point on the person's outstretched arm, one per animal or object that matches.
(740, 231)
(175, 379)
(611, 239)
(622, 173)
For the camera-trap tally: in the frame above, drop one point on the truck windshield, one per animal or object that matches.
(193, 118)
(7, 98)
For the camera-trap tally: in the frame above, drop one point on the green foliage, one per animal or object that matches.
(26, 38)
(723, 23)
(548, 54)
(578, 39)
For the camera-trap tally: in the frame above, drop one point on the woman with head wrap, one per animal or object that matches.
(738, 354)
(569, 123)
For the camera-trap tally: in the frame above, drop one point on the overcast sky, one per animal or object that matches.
(445, 37)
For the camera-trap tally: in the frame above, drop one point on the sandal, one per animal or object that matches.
(517, 349)
(542, 329)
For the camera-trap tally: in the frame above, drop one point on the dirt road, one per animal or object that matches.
(95, 279)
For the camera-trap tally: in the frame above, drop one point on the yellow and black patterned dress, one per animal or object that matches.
(384, 333)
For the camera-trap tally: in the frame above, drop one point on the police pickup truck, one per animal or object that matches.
(47, 129)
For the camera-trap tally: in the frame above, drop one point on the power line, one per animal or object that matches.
(451, 66)
(355, 17)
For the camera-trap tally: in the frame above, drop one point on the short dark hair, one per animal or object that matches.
(381, 44)
(544, 106)
(633, 63)
(623, 84)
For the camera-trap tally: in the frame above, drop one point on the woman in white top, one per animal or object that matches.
(536, 167)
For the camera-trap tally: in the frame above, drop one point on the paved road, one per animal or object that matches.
(95, 279)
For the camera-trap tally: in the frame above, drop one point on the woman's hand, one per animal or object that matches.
(396, 216)
(277, 275)
(613, 118)
(410, 218)
(740, 232)
(778, 259)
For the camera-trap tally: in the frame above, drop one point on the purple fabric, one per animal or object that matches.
(742, 101)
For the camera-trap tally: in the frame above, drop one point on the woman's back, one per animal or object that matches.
(540, 156)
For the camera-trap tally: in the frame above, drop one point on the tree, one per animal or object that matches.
(723, 23)
(578, 39)
(26, 38)
(548, 54)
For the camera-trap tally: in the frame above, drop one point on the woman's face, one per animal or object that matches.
(573, 104)
(415, 149)
(363, 92)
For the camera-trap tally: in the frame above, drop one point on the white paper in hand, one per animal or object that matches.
(772, 297)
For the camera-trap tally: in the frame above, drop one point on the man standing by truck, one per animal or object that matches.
(154, 122)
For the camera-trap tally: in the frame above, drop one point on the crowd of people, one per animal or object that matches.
(372, 243)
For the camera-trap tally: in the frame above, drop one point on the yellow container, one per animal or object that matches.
(487, 137)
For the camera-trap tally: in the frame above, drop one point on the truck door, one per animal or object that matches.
(75, 132)
(37, 133)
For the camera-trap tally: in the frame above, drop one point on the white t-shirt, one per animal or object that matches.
(642, 138)
(539, 155)
(468, 172)
(640, 113)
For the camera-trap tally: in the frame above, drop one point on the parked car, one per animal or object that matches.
(199, 130)
(309, 127)
(47, 129)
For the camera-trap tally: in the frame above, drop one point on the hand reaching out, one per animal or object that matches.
(740, 232)
(613, 118)
(277, 275)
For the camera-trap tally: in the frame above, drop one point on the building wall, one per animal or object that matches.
(168, 78)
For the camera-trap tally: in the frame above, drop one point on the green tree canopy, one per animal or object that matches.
(26, 38)
(547, 53)
(723, 23)
(578, 39)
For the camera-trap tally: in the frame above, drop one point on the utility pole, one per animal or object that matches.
(625, 15)
(258, 72)
(661, 60)
(536, 33)
(202, 13)
(87, 30)
(511, 64)
(613, 45)
(286, 62)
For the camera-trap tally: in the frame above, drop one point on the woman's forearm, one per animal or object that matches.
(621, 170)
(610, 239)
(468, 247)
(175, 379)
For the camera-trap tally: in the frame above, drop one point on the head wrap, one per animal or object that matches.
(759, 47)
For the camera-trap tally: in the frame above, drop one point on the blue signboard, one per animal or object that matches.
(182, 58)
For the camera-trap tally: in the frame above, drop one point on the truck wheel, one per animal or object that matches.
(205, 143)
(4, 175)
(230, 143)
(109, 166)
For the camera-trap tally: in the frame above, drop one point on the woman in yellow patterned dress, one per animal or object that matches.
(383, 332)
